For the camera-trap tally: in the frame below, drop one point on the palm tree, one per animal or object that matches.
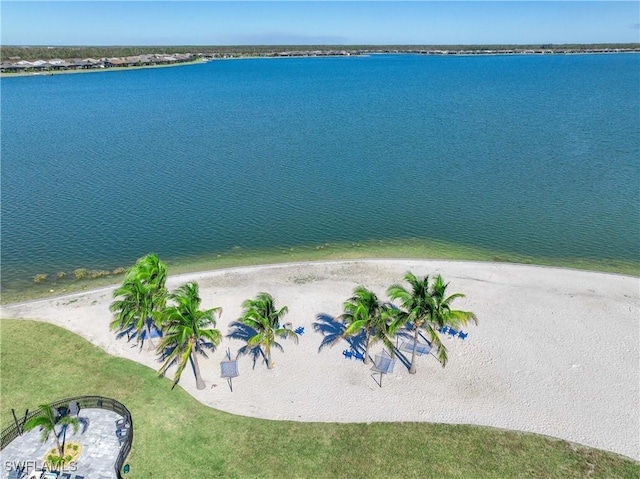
(188, 331)
(151, 270)
(443, 315)
(364, 312)
(47, 421)
(141, 297)
(132, 307)
(417, 305)
(264, 318)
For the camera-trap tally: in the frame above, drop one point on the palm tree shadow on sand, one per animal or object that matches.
(130, 333)
(242, 332)
(333, 331)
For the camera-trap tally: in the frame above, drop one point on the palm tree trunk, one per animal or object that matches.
(196, 370)
(147, 328)
(60, 448)
(270, 365)
(366, 348)
(412, 368)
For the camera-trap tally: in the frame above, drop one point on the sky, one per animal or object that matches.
(318, 22)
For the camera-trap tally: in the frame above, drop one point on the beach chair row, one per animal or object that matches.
(122, 430)
(453, 333)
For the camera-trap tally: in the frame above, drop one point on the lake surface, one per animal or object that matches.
(536, 155)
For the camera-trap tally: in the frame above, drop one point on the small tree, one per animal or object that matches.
(426, 306)
(364, 312)
(188, 331)
(264, 318)
(417, 308)
(47, 421)
(444, 315)
(141, 298)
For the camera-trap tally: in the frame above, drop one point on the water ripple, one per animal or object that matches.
(532, 155)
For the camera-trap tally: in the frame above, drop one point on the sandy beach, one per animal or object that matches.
(555, 352)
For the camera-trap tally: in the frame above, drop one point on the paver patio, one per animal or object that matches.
(100, 447)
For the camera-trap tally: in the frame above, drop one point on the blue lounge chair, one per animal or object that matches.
(444, 330)
(64, 475)
(347, 354)
(359, 356)
(300, 330)
(452, 332)
(383, 364)
(462, 335)
(420, 348)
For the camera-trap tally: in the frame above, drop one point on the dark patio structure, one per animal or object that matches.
(105, 434)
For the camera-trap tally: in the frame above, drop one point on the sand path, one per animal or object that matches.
(556, 351)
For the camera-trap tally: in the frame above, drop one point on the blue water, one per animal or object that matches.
(535, 155)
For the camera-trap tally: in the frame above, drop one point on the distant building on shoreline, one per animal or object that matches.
(58, 64)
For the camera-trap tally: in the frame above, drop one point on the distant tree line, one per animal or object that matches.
(47, 53)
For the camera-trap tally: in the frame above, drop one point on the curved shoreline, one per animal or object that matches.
(537, 362)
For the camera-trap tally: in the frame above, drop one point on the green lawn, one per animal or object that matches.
(176, 436)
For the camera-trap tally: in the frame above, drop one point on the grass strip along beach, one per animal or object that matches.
(175, 433)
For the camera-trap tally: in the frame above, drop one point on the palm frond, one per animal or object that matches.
(354, 328)
(287, 333)
(183, 359)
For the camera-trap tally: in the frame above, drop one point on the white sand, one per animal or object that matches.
(556, 351)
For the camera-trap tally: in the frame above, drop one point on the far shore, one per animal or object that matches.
(538, 360)
(306, 55)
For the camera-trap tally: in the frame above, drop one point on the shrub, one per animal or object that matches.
(98, 273)
(61, 275)
(80, 273)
